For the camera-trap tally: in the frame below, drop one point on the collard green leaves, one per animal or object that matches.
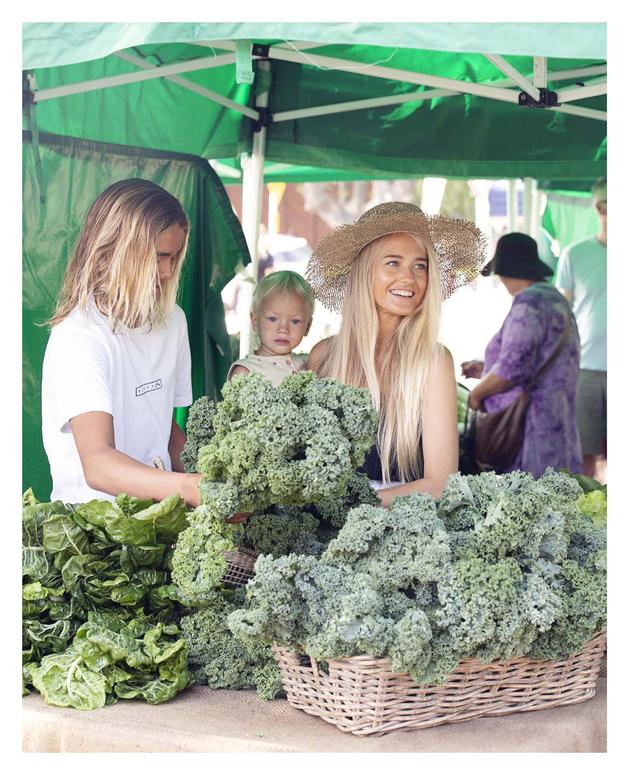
(98, 609)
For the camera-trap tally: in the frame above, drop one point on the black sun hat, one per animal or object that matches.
(517, 256)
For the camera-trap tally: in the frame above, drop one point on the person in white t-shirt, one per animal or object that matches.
(581, 277)
(117, 362)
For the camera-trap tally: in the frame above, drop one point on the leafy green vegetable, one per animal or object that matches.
(290, 445)
(287, 455)
(593, 504)
(587, 484)
(220, 660)
(500, 566)
(199, 431)
(98, 615)
(103, 663)
(123, 522)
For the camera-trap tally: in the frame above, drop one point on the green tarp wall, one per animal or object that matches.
(570, 217)
(61, 178)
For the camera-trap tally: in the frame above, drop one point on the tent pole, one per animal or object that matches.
(540, 72)
(514, 75)
(528, 189)
(535, 216)
(191, 86)
(162, 71)
(511, 205)
(252, 193)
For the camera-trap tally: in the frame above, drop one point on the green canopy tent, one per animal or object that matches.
(364, 100)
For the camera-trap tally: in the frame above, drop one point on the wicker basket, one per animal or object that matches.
(239, 566)
(362, 696)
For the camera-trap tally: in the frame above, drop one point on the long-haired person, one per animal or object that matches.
(118, 358)
(388, 274)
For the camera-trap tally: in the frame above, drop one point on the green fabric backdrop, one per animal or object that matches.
(570, 217)
(61, 178)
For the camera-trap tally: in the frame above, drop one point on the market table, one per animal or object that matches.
(201, 720)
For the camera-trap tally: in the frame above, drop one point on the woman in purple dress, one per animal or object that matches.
(527, 339)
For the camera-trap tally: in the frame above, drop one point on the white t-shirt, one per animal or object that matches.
(582, 270)
(137, 376)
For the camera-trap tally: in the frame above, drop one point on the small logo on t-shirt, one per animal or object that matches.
(148, 387)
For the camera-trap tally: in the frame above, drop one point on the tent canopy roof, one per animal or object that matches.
(62, 43)
(388, 100)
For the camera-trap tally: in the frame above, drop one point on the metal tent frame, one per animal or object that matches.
(515, 88)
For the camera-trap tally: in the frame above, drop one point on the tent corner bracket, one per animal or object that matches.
(261, 50)
(546, 99)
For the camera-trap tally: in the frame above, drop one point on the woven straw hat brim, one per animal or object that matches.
(459, 244)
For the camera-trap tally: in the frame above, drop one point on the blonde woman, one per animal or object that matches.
(118, 358)
(388, 274)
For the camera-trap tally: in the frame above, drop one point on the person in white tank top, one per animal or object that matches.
(281, 315)
(118, 358)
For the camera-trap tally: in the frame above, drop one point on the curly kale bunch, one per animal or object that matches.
(332, 511)
(501, 566)
(198, 561)
(199, 431)
(289, 445)
(581, 611)
(511, 515)
(288, 455)
(219, 660)
(281, 530)
(401, 547)
(299, 601)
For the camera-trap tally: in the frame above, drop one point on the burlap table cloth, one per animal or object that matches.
(201, 720)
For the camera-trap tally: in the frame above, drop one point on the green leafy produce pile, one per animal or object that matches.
(99, 614)
(287, 455)
(500, 566)
(289, 445)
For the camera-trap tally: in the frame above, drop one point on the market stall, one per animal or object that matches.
(136, 599)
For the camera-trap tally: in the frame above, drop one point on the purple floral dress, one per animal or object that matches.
(527, 338)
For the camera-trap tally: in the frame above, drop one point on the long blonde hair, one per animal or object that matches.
(115, 258)
(395, 377)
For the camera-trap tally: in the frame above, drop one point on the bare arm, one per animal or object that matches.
(491, 384)
(175, 447)
(440, 434)
(109, 470)
(317, 356)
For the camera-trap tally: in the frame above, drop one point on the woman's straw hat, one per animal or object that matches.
(459, 244)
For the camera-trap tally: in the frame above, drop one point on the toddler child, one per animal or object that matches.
(281, 315)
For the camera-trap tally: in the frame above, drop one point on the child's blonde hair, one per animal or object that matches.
(115, 257)
(283, 282)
